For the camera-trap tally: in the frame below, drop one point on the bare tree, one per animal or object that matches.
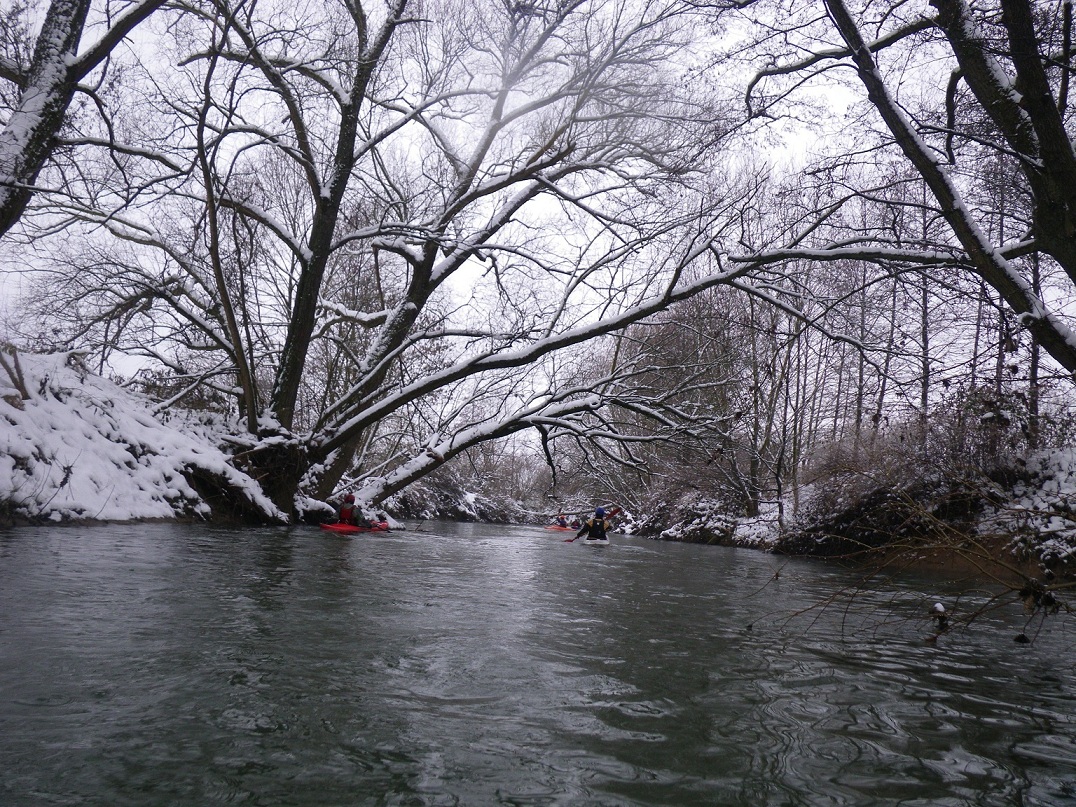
(365, 212)
(46, 78)
(1007, 97)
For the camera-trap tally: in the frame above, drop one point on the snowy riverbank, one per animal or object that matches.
(75, 446)
(1028, 523)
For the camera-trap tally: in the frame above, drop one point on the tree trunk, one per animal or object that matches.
(28, 139)
(304, 308)
(984, 259)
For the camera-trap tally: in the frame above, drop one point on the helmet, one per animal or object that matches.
(599, 512)
(349, 498)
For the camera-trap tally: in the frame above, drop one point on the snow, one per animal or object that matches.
(1041, 513)
(83, 448)
(709, 519)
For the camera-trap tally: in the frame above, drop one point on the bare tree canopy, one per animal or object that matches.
(369, 220)
(378, 235)
(972, 98)
(46, 77)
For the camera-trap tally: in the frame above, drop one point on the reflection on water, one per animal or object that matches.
(472, 665)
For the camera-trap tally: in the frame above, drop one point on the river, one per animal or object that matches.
(456, 664)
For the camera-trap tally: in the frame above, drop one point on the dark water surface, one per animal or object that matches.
(474, 665)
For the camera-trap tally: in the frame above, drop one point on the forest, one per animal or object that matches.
(807, 263)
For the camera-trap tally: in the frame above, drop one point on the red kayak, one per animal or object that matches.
(562, 529)
(349, 529)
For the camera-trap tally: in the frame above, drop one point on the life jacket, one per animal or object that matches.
(597, 529)
(347, 513)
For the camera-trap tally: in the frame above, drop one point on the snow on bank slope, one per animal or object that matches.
(81, 447)
(1040, 513)
(1035, 518)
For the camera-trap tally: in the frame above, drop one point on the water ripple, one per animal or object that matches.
(471, 665)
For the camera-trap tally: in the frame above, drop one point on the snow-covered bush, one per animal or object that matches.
(691, 517)
(970, 475)
(442, 496)
(980, 431)
(1039, 514)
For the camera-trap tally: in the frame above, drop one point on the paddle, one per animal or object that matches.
(612, 513)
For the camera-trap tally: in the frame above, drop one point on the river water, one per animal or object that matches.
(477, 665)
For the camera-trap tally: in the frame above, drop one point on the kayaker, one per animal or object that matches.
(596, 528)
(349, 513)
(561, 521)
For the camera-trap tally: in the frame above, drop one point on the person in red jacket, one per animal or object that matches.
(349, 513)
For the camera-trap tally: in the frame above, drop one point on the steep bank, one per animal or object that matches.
(76, 447)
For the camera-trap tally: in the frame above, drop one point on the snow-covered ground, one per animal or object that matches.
(1036, 519)
(1041, 513)
(707, 520)
(80, 447)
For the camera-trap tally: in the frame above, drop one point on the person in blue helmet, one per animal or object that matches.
(597, 528)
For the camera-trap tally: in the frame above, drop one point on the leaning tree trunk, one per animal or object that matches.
(28, 139)
(46, 91)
